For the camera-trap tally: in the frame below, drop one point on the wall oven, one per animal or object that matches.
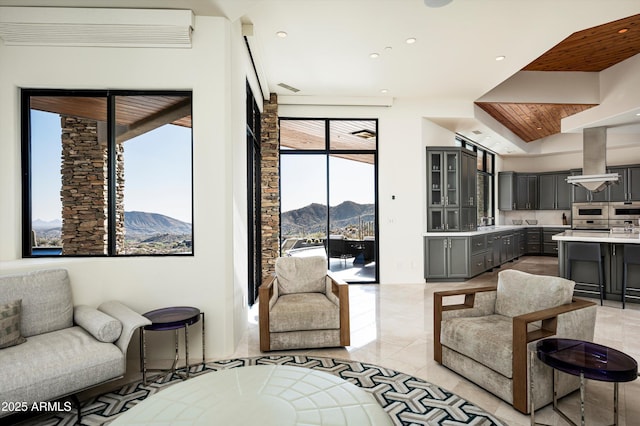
(624, 214)
(590, 215)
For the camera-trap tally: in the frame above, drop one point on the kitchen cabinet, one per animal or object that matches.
(581, 195)
(446, 257)
(550, 247)
(451, 189)
(628, 186)
(506, 191)
(533, 241)
(517, 191)
(554, 193)
(526, 192)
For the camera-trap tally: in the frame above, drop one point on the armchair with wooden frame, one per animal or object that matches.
(486, 338)
(303, 306)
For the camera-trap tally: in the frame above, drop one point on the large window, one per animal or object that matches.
(106, 173)
(328, 201)
(485, 179)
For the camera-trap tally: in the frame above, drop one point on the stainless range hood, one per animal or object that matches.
(594, 161)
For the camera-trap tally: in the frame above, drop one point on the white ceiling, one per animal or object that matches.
(453, 61)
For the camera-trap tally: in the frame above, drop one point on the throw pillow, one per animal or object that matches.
(10, 324)
(101, 326)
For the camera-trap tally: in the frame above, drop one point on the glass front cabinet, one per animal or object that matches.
(450, 170)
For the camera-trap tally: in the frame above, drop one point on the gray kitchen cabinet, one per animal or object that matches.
(533, 241)
(526, 191)
(554, 193)
(522, 243)
(550, 247)
(506, 191)
(581, 195)
(508, 249)
(628, 186)
(451, 184)
(446, 257)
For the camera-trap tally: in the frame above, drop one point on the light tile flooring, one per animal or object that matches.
(392, 326)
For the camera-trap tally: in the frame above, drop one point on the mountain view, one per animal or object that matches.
(146, 233)
(313, 218)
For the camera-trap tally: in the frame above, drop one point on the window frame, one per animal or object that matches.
(26, 172)
(488, 158)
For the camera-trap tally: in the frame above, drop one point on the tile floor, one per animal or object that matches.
(392, 326)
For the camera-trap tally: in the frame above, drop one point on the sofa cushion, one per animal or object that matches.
(521, 293)
(49, 365)
(46, 300)
(487, 340)
(100, 325)
(301, 274)
(10, 324)
(303, 311)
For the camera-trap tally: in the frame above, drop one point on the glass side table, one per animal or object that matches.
(171, 318)
(588, 361)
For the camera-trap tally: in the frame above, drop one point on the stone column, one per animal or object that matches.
(270, 199)
(84, 191)
(84, 188)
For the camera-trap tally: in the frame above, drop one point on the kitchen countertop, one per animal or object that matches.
(599, 237)
(490, 229)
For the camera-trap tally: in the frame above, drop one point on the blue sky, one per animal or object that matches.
(303, 181)
(157, 170)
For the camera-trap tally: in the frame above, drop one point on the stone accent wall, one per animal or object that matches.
(84, 191)
(270, 199)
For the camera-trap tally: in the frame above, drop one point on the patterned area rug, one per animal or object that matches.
(407, 399)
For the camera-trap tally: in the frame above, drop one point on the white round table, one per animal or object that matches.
(263, 395)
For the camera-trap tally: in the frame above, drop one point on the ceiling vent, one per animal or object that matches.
(44, 26)
(286, 86)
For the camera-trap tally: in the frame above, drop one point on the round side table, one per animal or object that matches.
(586, 360)
(171, 318)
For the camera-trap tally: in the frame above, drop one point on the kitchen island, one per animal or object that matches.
(457, 256)
(612, 245)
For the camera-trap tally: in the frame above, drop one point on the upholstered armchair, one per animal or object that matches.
(303, 306)
(486, 338)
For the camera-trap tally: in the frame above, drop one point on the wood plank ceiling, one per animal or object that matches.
(590, 50)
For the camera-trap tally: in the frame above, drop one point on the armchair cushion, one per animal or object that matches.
(521, 293)
(491, 344)
(101, 326)
(301, 274)
(304, 311)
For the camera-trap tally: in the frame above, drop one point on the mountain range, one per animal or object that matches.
(137, 224)
(313, 218)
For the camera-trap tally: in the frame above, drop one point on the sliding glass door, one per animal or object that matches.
(328, 171)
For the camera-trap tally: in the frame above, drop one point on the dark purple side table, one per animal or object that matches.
(587, 360)
(172, 318)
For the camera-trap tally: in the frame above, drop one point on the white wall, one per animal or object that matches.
(214, 279)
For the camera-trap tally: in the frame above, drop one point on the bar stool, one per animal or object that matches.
(586, 252)
(631, 257)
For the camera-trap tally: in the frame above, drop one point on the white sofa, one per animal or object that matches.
(57, 349)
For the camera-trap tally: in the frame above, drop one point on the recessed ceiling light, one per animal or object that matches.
(374, 55)
(282, 34)
(500, 58)
(638, 114)
(623, 30)
(411, 40)
(384, 91)
(388, 48)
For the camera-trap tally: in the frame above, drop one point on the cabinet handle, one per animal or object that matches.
(514, 206)
(479, 264)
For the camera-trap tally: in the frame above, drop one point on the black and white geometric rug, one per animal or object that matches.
(407, 399)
